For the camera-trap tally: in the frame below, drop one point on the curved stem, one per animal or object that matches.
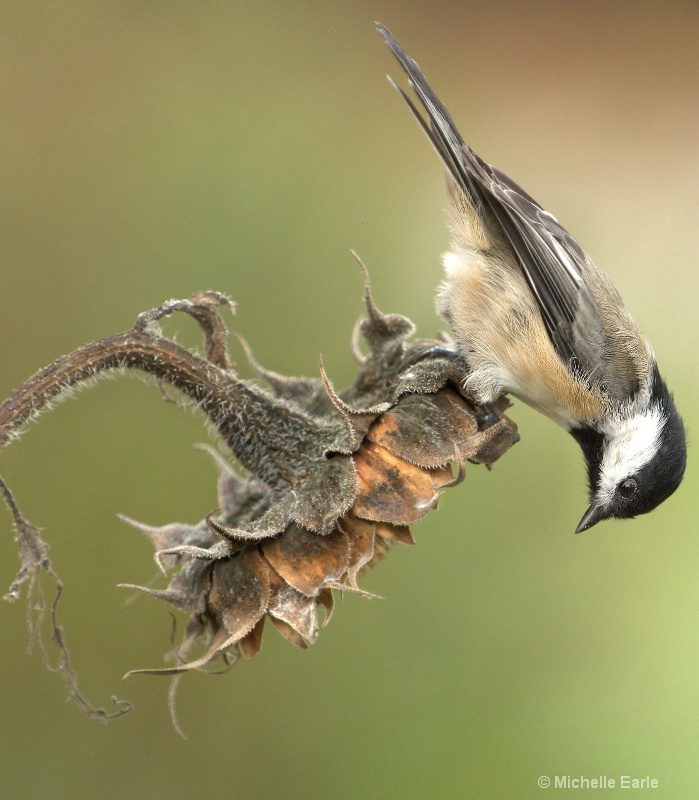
(159, 357)
(244, 416)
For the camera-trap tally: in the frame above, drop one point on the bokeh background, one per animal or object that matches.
(149, 150)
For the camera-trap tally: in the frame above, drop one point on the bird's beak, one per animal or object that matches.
(592, 516)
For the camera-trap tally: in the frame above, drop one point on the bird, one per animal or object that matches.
(534, 317)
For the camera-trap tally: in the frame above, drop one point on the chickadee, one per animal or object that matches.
(533, 316)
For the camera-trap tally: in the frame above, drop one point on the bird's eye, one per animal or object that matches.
(628, 488)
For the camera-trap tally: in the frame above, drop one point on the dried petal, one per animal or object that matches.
(294, 608)
(325, 598)
(390, 488)
(426, 429)
(249, 645)
(395, 533)
(165, 537)
(289, 633)
(306, 560)
(360, 536)
(356, 420)
(327, 493)
(442, 477)
(495, 442)
(220, 644)
(240, 591)
(180, 601)
(214, 553)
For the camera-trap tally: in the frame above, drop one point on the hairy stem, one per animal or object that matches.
(240, 412)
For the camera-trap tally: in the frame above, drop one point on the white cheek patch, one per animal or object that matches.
(636, 440)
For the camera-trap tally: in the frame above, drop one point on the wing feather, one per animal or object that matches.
(551, 260)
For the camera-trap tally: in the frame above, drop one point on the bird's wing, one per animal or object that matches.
(551, 260)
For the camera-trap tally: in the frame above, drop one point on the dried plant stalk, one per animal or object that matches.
(331, 479)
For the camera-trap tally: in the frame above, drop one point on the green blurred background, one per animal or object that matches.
(150, 150)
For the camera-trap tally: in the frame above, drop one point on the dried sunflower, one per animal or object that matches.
(331, 478)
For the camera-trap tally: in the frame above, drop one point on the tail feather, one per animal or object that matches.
(440, 129)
